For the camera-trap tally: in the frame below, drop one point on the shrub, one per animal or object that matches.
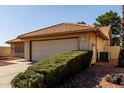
(53, 70)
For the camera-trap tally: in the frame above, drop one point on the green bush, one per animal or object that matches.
(53, 70)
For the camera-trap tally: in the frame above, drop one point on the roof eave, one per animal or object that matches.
(62, 33)
(11, 42)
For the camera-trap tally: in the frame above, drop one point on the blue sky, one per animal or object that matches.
(16, 20)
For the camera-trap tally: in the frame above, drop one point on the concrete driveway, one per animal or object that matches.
(9, 71)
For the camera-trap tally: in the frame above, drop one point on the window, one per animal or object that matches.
(19, 47)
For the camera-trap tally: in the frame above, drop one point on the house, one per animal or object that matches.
(42, 43)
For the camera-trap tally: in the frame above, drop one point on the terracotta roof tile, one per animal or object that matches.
(105, 30)
(63, 28)
(58, 29)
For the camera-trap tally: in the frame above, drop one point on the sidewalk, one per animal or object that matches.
(9, 71)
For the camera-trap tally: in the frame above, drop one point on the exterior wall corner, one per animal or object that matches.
(27, 50)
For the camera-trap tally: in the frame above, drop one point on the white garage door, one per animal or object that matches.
(43, 49)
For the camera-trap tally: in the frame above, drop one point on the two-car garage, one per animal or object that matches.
(43, 49)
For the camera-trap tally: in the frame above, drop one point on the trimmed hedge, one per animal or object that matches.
(53, 70)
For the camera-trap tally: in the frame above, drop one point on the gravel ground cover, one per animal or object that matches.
(94, 77)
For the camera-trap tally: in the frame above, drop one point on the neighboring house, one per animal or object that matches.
(17, 47)
(62, 37)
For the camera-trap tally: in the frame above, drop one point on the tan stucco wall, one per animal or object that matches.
(107, 43)
(93, 47)
(89, 37)
(13, 53)
(27, 50)
(4, 51)
(84, 42)
(100, 45)
(113, 51)
(97, 45)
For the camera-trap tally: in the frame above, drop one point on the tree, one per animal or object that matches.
(110, 19)
(115, 41)
(82, 22)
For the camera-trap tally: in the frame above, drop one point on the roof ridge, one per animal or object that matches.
(78, 24)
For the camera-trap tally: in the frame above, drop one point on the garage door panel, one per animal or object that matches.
(43, 49)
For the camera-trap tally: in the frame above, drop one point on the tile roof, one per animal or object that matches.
(105, 30)
(59, 29)
(14, 41)
(63, 28)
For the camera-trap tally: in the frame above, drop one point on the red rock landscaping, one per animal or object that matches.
(3, 63)
(94, 77)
